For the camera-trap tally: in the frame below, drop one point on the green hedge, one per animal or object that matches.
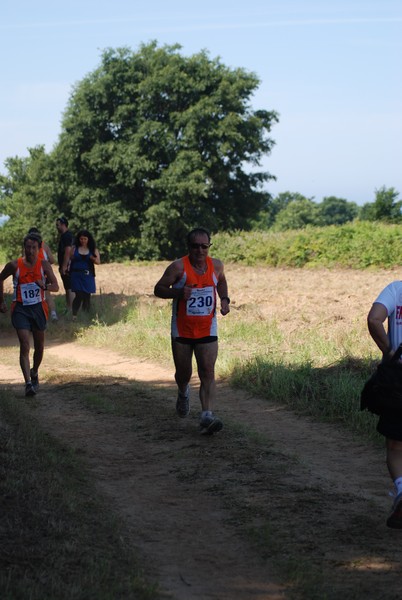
(356, 245)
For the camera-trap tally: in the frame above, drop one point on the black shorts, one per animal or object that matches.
(31, 318)
(390, 426)
(66, 279)
(192, 342)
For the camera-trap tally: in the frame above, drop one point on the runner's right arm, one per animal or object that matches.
(8, 270)
(375, 321)
(164, 289)
(50, 256)
(68, 253)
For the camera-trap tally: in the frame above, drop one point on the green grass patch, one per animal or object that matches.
(141, 329)
(58, 539)
(329, 393)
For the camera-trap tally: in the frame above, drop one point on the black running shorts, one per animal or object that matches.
(32, 317)
(390, 426)
(194, 342)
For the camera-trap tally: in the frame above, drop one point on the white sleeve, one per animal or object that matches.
(388, 298)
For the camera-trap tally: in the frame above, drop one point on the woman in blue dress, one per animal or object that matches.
(84, 256)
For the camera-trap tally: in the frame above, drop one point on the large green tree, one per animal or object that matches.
(386, 207)
(336, 211)
(31, 195)
(154, 143)
(297, 214)
(273, 207)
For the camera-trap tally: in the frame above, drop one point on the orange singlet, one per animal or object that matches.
(196, 317)
(26, 291)
(42, 254)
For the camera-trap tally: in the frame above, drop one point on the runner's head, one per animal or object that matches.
(33, 237)
(33, 230)
(195, 232)
(83, 237)
(198, 241)
(61, 224)
(32, 243)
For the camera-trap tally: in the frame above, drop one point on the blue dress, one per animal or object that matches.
(82, 272)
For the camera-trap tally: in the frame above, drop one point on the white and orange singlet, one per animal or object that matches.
(26, 290)
(42, 254)
(195, 318)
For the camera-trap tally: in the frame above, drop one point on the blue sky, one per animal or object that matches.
(330, 69)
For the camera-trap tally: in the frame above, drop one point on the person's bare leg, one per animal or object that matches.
(39, 346)
(182, 357)
(50, 301)
(206, 355)
(23, 336)
(69, 299)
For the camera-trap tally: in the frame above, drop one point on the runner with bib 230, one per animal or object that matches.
(193, 282)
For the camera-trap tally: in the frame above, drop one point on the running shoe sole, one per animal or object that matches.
(213, 427)
(30, 390)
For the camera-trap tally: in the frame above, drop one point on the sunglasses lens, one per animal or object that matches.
(203, 246)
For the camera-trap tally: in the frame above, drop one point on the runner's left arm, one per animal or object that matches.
(222, 287)
(51, 282)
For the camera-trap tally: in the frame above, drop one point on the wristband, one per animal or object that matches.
(226, 298)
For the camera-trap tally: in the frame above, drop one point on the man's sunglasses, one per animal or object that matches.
(203, 246)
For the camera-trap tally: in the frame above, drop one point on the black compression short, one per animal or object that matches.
(194, 342)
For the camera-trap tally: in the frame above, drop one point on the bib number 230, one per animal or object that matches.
(201, 302)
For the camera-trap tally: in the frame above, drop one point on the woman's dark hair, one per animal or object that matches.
(91, 241)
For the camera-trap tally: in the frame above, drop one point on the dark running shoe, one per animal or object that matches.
(395, 518)
(210, 425)
(29, 389)
(34, 380)
(183, 403)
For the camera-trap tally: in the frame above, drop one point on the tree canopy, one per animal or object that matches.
(30, 195)
(153, 143)
(386, 207)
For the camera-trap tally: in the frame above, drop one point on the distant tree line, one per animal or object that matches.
(294, 211)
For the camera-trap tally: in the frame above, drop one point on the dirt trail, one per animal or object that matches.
(181, 528)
